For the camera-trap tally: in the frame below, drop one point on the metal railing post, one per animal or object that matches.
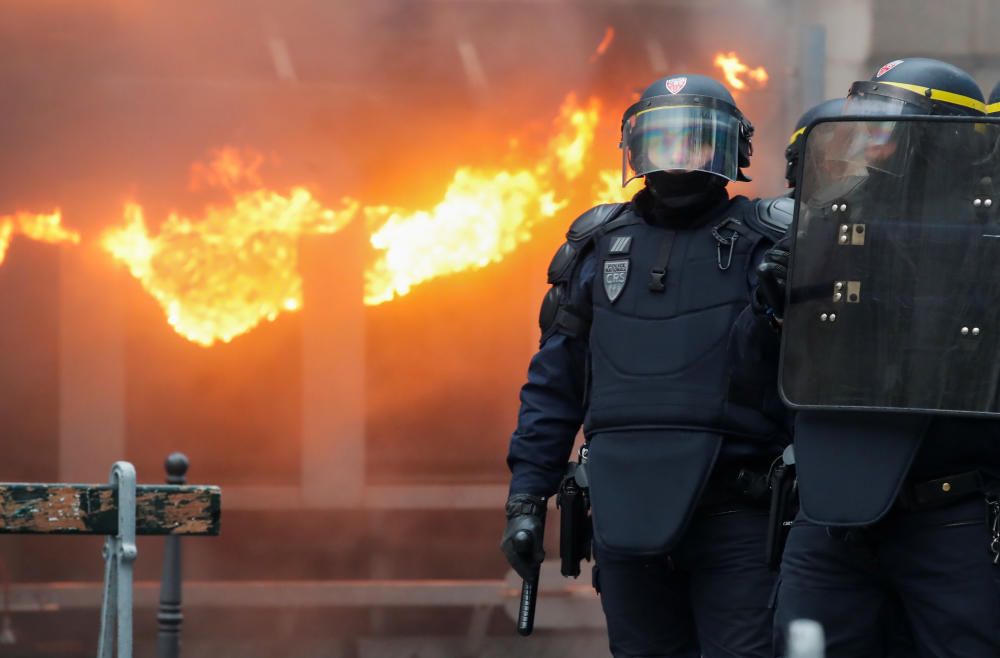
(170, 615)
(119, 553)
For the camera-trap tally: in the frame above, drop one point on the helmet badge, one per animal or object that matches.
(674, 85)
(888, 67)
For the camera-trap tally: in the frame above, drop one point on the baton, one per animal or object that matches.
(524, 543)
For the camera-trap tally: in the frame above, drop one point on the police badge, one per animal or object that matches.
(615, 275)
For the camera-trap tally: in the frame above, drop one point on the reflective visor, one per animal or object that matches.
(864, 145)
(873, 105)
(859, 146)
(680, 138)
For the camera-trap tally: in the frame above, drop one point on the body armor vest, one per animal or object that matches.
(664, 304)
(662, 380)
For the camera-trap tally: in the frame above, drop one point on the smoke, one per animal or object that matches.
(381, 101)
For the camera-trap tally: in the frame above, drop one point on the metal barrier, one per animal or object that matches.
(121, 511)
(170, 616)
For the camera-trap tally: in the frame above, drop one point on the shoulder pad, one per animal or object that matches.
(773, 217)
(586, 224)
(582, 229)
(562, 263)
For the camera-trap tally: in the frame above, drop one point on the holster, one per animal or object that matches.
(575, 529)
(784, 504)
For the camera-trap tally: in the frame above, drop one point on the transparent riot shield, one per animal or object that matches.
(894, 281)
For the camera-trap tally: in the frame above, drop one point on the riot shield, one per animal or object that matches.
(894, 280)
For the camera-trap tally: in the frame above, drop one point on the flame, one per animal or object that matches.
(608, 188)
(732, 68)
(483, 216)
(6, 234)
(602, 47)
(228, 169)
(40, 227)
(572, 143)
(220, 275)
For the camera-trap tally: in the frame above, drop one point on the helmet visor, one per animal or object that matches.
(857, 147)
(874, 105)
(680, 138)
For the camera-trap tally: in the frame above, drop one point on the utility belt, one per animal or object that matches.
(766, 484)
(769, 485)
(942, 492)
(952, 489)
(742, 484)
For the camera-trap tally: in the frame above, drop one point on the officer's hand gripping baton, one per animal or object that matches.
(524, 543)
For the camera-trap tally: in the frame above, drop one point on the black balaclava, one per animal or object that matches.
(679, 199)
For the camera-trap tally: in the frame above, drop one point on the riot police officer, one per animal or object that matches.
(649, 343)
(893, 506)
(793, 153)
(783, 206)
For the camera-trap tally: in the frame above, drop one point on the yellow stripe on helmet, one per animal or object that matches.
(940, 95)
(796, 135)
(993, 108)
(665, 107)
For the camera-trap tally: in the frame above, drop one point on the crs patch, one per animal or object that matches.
(888, 67)
(615, 276)
(674, 85)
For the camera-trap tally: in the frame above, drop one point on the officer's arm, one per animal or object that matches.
(767, 275)
(755, 340)
(754, 351)
(552, 400)
(755, 332)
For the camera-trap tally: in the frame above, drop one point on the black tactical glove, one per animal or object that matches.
(772, 276)
(526, 515)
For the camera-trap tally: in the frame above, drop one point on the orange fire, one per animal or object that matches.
(6, 233)
(222, 274)
(733, 68)
(483, 216)
(572, 143)
(602, 47)
(40, 227)
(608, 188)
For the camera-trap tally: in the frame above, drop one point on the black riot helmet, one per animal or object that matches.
(793, 152)
(912, 86)
(993, 106)
(685, 123)
(917, 85)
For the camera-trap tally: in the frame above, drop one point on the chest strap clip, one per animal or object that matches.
(658, 275)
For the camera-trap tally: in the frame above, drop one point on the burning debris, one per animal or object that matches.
(602, 47)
